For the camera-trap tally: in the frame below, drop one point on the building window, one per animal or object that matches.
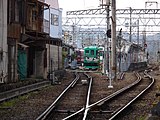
(54, 19)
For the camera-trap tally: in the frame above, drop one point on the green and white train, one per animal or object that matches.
(93, 56)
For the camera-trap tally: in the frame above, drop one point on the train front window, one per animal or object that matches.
(87, 51)
(97, 53)
(92, 52)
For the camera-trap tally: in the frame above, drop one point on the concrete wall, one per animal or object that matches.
(3, 41)
(39, 64)
(55, 57)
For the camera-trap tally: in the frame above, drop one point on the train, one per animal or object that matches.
(93, 56)
(79, 56)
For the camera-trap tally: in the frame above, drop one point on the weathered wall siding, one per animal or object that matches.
(34, 22)
(3, 40)
(54, 60)
(14, 30)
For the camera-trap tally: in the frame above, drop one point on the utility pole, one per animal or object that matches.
(138, 39)
(108, 27)
(130, 25)
(130, 32)
(113, 43)
(106, 4)
(74, 35)
(106, 60)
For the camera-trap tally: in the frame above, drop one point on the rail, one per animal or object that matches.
(130, 102)
(88, 97)
(22, 90)
(86, 109)
(102, 101)
(44, 115)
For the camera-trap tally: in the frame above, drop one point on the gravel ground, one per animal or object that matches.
(101, 90)
(29, 107)
(141, 110)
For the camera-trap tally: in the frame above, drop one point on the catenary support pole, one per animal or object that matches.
(113, 42)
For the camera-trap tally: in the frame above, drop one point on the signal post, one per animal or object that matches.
(107, 47)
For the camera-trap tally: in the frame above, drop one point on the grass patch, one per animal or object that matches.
(141, 118)
(12, 102)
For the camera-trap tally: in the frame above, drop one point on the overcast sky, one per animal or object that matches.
(71, 5)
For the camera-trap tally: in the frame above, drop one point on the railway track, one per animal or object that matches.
(15, 90)
(119, 103)
(73, 98)
(115, 104)
(89, 107)
(4, 96)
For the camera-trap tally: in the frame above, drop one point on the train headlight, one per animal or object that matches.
(95, 59)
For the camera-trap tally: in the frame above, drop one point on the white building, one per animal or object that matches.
(55, 18)
(3, 41)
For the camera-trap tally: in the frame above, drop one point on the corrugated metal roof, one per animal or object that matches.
(126, 46)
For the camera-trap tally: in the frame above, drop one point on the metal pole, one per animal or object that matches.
(110, 71)
(138, 39)
(130, 25)
(108, 27)
(49, 52)
(130, 32)
(113, 43)
(106, 61)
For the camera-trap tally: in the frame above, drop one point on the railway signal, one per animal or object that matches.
(109, 33)
(145, 45)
